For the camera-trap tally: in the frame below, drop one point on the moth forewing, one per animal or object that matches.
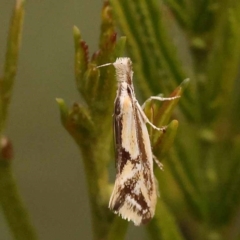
(134, 194)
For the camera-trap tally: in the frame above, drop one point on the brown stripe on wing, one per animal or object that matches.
(139, 124)
(117, 127)
(128, 191)
(145, 161)
(121, 155)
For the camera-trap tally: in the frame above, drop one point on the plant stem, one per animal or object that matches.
(11, 59)
(12, 205)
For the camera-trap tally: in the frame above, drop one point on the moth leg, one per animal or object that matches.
(159, 98)
(157, 186)
(163, 129)
(160, 165)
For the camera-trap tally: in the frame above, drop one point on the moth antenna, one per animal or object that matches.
(104, 65)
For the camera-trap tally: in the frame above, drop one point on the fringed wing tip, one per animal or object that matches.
(131, 215)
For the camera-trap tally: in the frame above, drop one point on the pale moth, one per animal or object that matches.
(135, 190)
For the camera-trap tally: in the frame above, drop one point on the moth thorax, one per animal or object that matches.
(124, 86)
(121, 74)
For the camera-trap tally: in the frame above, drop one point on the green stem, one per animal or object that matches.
(95, 153)
(12, 205)
(11, 59)
(15, 213)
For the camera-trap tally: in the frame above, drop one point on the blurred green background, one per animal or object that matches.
(46, 165)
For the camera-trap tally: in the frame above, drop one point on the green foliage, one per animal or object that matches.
(167, 42)
(90, 124)
(11, 203)
(10, 66)
(205, 161)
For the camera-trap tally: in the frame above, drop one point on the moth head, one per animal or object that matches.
(121, 64)
(124, 64)
(123, 68)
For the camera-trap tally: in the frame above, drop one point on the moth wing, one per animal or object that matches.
(133, 196)
(125, 135)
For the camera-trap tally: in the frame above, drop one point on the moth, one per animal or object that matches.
(134, 195)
